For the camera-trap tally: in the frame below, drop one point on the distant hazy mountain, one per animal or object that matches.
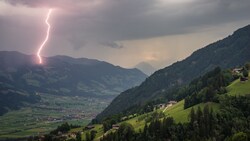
(21, 78)
(230, 52)
(146, 68)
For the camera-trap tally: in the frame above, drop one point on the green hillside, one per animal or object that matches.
(180, 114)
(230, 52)
(238, 88)
(177, 111)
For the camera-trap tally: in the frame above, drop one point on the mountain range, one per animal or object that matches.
(232, 51)
(22, 80)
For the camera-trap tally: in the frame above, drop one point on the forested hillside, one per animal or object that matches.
(21, 79)
(230, 52)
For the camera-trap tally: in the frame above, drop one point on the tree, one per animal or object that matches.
(126, 132)
(245, 72)
(206, 120)
(247, 66)
(209, 94)
(145, 132)
(87, 136)
(65, 127)
(78, 136)
(94, 121)
(192, 116)
(199, 115)
(48, 138)
(241, 136)
(93, 134)
(169, 121)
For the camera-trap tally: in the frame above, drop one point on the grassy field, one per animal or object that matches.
(238, 88)
(48, 114)
(181, 115)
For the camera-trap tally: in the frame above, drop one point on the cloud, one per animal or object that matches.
(114, 20)
(46, 3)
(83, 24)
(112, 44)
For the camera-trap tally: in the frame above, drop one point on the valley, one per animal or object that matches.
(108, 70)
(35, 99)
(51, 111)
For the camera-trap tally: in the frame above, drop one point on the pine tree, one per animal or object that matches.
(87, 136)
(78, 136)
(245, 72)
(192, 116)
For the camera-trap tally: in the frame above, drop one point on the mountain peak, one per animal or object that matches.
(145, 67)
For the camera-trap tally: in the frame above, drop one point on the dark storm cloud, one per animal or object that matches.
(130, 19)
(118, 20)
(46, 3)
(15, 36)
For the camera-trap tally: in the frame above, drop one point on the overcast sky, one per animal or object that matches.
(122, 32)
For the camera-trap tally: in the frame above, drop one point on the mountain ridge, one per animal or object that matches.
(62, 75)
(230, 52)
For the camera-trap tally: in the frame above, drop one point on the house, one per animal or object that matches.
(72, 135)
(171, 103)
(237, 70)
(243, 79)
(160, 106)
(89, 127)
(115, 126)
(59, 133)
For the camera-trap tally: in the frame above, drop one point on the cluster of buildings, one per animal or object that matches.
(239, 71)
(165, 105)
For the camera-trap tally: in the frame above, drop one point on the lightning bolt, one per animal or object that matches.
(46, 38)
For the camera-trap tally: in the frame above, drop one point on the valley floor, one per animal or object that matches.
(46, 115)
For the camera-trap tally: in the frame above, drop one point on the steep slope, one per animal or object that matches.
(177, 112)
(21, 78)
(229, 52)
(146, 68)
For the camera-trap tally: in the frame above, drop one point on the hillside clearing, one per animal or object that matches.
(238, 88)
